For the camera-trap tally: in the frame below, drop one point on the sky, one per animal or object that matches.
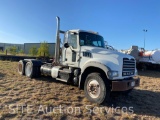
(120, 22)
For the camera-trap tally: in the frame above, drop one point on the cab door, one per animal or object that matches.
(71, 54)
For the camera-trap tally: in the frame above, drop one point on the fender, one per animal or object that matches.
(94, 64)
(34, 62)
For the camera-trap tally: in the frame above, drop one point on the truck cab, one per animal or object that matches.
(84, 61)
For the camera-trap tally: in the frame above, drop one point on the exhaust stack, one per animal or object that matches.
(57, 48)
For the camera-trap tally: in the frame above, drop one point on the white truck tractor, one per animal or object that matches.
(85, 62)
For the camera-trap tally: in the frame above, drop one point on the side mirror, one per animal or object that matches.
(66, 45)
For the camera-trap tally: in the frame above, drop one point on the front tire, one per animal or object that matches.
(97, 88)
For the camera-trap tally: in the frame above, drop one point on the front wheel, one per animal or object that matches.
(97, 88)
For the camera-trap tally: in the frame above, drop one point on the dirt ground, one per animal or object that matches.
(45, 98)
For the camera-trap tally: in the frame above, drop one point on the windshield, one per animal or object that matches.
(90, 39)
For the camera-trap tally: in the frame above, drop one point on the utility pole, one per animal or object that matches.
(144, 37)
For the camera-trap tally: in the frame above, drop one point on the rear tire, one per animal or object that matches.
(21, 67)
(32, 70)
(97, 88)
(29, 70)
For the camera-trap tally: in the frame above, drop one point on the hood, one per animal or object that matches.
(110, 58)
(98, 52)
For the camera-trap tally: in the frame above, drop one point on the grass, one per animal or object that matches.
(43, 97)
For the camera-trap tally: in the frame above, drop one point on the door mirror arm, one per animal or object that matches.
(71, 49)
(66, 45)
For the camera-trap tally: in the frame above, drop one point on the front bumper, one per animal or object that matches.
(124, 85)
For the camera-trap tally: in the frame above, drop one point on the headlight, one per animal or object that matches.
(113, 74)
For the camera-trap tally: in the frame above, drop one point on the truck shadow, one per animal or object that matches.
(142, 102)
(1, 75)
(49, 79)
(149, 73)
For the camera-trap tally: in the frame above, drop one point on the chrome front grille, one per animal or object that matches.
(128, 67)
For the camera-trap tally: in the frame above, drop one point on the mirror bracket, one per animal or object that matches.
(66, 45)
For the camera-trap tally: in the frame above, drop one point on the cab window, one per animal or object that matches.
(72, 40)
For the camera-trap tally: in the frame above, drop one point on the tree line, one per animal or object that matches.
(43, 50)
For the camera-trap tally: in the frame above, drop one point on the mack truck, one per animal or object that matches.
(83, 60)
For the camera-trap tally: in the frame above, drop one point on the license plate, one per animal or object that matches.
(133, 83)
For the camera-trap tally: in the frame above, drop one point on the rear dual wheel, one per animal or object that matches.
(29, 69)
(21, 67)
(32, 70)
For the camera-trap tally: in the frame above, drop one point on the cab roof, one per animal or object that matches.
(78, 30)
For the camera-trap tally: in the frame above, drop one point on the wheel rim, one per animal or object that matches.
(93, 88)
(28, 69)
(20, 67)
